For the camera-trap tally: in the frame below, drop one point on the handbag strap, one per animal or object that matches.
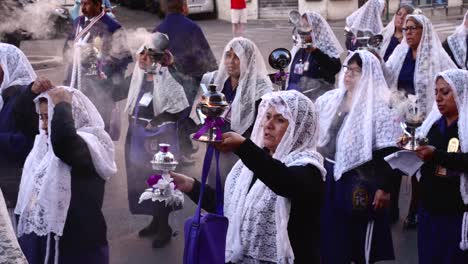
(205, 171)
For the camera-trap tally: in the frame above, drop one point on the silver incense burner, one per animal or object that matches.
(163, 188)
(413, 119)
(164, 160)
(301, 30)
(158, 44)
(91, 54)
(213, 106)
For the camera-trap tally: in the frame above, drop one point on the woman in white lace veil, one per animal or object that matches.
(275, 184)
(322, 58)
(428, 57)
(15, 67)
(10, 251)
(366, 19)
(46, 190)
(445, 172)
(168, 94)
(357, 129)
(16, 73)
(296, 148)
(393, 33)
(253, 82)
(456, 44)
(409, 71)
(155, 105)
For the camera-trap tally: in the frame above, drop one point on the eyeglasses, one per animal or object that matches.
(411, 28)
(352, 71)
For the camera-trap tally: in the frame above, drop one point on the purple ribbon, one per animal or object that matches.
(280, 76)
(153, 180)
(210, 122)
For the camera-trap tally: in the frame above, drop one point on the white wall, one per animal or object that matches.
(319, 7)
(330, 10)
(455, 3)
(341, 9)
(224, 9)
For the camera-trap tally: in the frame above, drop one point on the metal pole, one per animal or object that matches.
(387, 15)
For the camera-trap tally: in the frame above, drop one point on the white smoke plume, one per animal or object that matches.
(136, 38)
(34, 18)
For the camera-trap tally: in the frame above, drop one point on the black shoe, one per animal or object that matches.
(411, 221)
(162, 238)
(150, 230)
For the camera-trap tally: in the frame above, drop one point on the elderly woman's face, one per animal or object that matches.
(144, 60)
(413, 33)
(445, 99)
(352, 75)
(274, 127)
(232, 63)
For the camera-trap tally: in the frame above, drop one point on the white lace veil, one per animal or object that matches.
(10, 251)
(323, 36)
(367, 17)
(16, 68)
(258, 218)
(253, 83)
(370, 124)
(168, 95)
(45, 188)
(457, 43)
(431, 59)
(387, 34)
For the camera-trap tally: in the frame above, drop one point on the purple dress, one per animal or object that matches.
(141, 145)
(347, 209)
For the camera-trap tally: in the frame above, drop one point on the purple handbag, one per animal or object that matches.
(205, 234)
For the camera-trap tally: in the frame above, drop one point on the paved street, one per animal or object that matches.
(125, 245)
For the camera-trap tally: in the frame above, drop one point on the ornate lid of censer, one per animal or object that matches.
(164, 160)
(213, 103)
(213, 97)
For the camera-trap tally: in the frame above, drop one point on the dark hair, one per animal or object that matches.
(173, 6)
(355, 59)
(409, 9)
(42, 100)
(440, 77)
(414, 21)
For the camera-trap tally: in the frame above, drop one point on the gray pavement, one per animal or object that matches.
(125, 245)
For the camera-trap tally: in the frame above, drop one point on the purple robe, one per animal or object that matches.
(15, 146)
(195, 59)
(344, 218)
